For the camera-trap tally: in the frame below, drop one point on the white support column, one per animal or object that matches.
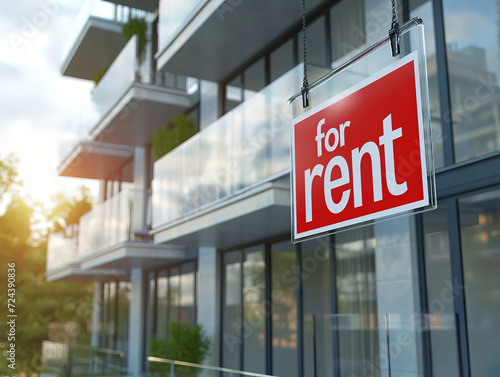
(96, 315)
(139, 221)
(398, 295)
(136, 324)
(207, 298)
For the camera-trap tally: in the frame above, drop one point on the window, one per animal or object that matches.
(171, 297)
(423, 9)
(254, 78)
(480, 238)
(254, 296)
(231, 316)
(441, 317)
(473, 54)
(284, 309)
(282, 59)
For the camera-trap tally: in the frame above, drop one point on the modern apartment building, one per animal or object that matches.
(202, 234)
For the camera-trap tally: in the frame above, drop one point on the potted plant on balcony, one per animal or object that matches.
(180, 128)
(136, 26)
(184, 343)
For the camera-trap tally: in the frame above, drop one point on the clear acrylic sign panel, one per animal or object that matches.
(362, 150)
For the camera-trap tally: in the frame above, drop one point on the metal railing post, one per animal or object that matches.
(172, 370)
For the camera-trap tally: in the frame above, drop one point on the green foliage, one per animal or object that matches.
(136, 26)
(8, 175)
(181, 128)
(67, 211)
(185, 343)
(37, 303)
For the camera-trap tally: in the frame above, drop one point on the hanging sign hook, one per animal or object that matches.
(305, 85)
(394, 32)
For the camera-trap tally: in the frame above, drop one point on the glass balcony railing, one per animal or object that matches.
(246, 146)
(111, 222)
(96, 9)
(127, 69)
(62, 249)
(173, 14)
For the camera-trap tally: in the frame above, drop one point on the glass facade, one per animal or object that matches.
(114, 316)
(171, 297)
(480, 238)
(472, 50)
(414, 296)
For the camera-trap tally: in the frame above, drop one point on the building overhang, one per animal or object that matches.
(74, 272)
(259, 213)
(134, 254)
(225, 36)
(94, 160)
(147, 5)
(150, 106)
(95, 48)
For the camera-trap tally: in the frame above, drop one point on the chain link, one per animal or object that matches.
(394, 17)
(305, 82)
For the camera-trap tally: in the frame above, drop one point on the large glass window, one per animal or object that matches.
(188, 293)
(316, 43)
(284, 283)
(316, 292)
(423, 9)
(480, 236)
(254, 315)
(282, 59)
(357, 319)
(231, 316)
(161, 305)
(254, 78)
(440, 294)
(124, 288)
(473, 53)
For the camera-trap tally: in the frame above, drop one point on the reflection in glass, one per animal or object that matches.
(254, 310)
(480, 237)
(316, 292)
(187, 313)
(123, 316)
(357, 323)
(284, 309)
(282, 60)
(173, 295)
(234, 93)
(423, 9)
(231, 316)
(161, 305)
(473, 53)
(440, 292)
(254, 78)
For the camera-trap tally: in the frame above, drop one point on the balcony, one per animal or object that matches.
(111, 239)
(130, 102)
(203, 29)
(62, 258)
(96, 38)
(147, 5)
(229, 173)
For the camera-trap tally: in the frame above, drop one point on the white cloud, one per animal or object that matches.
(37, 102)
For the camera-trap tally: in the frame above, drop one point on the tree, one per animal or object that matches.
(36, 302)
(68, 210)
(8, 176)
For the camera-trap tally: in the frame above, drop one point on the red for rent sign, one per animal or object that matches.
(360, 155)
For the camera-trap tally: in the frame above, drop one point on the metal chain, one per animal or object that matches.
(394, 18)
(305, 82)
(393, 11)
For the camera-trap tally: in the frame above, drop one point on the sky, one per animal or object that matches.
(37, 103)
